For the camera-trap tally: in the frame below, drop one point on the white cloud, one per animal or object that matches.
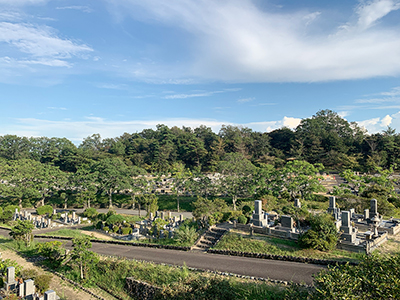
(22, 2)
(376, 125)
(201, 94)
(235, 41)
(244, 100)
(39, 41)
(372, 11)
(85, 9)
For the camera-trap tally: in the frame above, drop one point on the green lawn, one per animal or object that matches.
(270, 245)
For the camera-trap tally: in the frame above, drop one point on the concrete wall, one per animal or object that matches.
(285, 234)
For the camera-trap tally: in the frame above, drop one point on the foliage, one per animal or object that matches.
(22, 230)
(185, 235)
(322, 235)
(115, 219)
(53, 251)
(42, 282)
(81, 255)
(376, 277)
(90, 213)
(45, 209)
(126, 230)
(205, 210)
(242, 219)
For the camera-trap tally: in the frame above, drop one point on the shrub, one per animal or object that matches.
(246, 210)
(99, 224)
(115, 229)
(42, 282)
(29, 274)
(186, 235)
(45, 209)
(322, 235)
(115, 219)
(106, 228)
(90, 213)
(126, 230)
(242, 219)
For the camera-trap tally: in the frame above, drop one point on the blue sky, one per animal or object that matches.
(74, 68)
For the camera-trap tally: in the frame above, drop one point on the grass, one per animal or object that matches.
(74, 233)
(176, 282)
(269, 245)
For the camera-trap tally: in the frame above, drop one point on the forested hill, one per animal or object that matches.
(324, 138)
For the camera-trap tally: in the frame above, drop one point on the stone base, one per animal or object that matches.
(260, 223)
(348, 237)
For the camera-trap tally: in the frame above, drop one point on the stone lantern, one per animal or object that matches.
(375, 223)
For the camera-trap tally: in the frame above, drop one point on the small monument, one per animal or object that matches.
(259, 217)
(348, 232)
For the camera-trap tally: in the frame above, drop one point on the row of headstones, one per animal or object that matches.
(26, 289)
(260, 218)
(43, 222)
(369, 214)
(163, 215)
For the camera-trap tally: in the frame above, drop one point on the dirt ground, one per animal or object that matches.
(62, 288)
(392, 246)
(97, 235)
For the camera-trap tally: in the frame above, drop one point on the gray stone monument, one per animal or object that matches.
(169, 215)
(10, 283)
(29, 286)
(374, 209)
(348, 232)
(287, 222)
(151, 217)
(259, 218)
(50, 295)
(162, 215)
(352, 212)
(73, 215)
(332, 209)
(21, 290)
(297, 203)
(180, 218)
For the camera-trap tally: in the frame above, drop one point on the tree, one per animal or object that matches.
(237, 172)
(180, 176)
(112, 174)
(204, 209)
(45, 209)
(81, 255)
(300, 178)
(22, 231)
(151, 203)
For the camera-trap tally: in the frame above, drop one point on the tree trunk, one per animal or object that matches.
(177, 201)
(139, 209)
(65, 203)
(110, 199)
(81, 267)
(88, 202)
(234, 198)
(42, 201)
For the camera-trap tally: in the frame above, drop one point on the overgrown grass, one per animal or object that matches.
(73, 233)
(276, 246)
(175, 282)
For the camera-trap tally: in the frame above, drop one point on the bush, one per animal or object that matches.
(29, 274)
(42, 282)
(242, 219)
(115, 229)
(90, 213)
(106, 228)
(322, 235)
(186, 235)
(126, 230)
(246, 210)
(45, 209)
(99, 224)
(115, 219)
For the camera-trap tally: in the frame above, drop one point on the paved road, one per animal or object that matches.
(278, 270)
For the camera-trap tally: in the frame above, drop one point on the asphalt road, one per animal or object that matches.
(272, 269)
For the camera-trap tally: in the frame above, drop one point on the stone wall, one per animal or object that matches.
(285, 234)
(140, 290)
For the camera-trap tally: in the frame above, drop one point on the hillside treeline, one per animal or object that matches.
(324, 138)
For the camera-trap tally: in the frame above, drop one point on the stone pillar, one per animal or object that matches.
(181, 218)
(151, 217)
(48, 223)
(50, 295)
(297, 203)
(348, 232)
(21, 290)
(366, 214)
(169, 215)
(257, 207)
(162, 215)
(332, 202)
(73, 215)
(346, 219)
(54, 211)
(79, 220)
(374, 208)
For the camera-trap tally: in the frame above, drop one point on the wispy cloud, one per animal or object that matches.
(85, 9)
(256, 48)
(202, 94)
(22, 2)
(57, 108)
(111, 86)
(244, 100)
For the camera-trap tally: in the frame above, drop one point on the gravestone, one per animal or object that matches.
(29, 286)
(287, 222)
(73, 215)
(332, 209)
(180, 218)
(374, 208)
(169, 215)
(352, 212)
(297, 203)
(348, 232)
(259, 218)
(10, 279)
(50, 295)
(151, 217)
(79, 220)
(162, 215)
